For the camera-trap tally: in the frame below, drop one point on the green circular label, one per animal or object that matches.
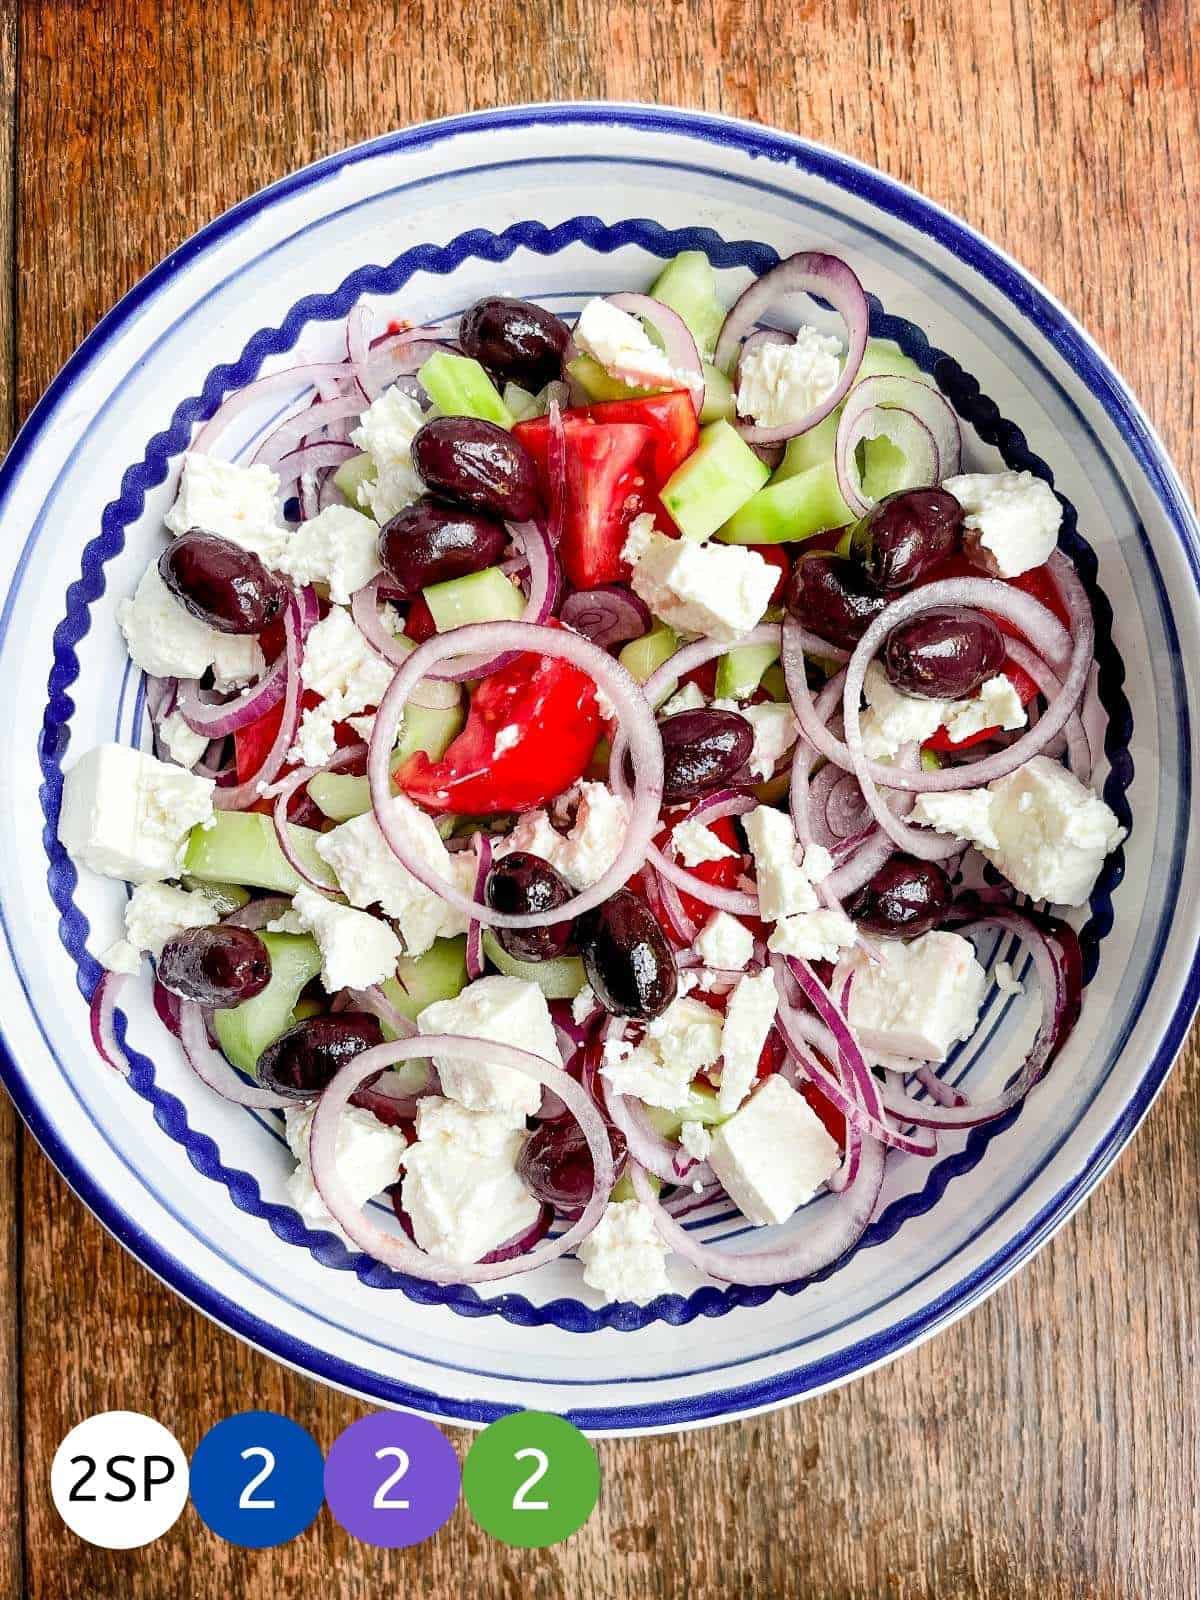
(531, 1479)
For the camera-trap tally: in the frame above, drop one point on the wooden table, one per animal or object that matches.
(1047, 1445)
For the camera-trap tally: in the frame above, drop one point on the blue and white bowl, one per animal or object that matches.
(558, 203)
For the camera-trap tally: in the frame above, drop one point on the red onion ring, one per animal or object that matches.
(212, 1068)
(608, 615)
(678, 343)
(434, 694)
(283, 792)
(219, 718)
(811, 273)
(1079, 749)
(377, 1003)
(645, 1144)
(102, 1015)
(243, 795)
(290, 433)
(915, 416)
(636, 723)
(483, 853)
(675, 912)
(312, 458)
(323, 376)
(358, 348)
(397, 1253)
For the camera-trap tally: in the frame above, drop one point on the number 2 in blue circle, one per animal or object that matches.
(257, 1479)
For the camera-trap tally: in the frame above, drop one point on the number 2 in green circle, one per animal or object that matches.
(531, 1479)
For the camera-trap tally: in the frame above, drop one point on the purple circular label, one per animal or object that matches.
(392, 1479)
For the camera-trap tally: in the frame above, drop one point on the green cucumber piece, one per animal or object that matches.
(225, 897)
(931, 761)
(719, 476)
(775, 684)
(522, 405)
(461, 388)
(439, 974)
(791, 509)
(559, 979)
(718, 396)
(241, 847)
(642, 657)
(623, 1188)
(739, 671)
(421, 728)
(598, 384)
(487, 596)
(811, 449)
(885, 470)
(352, 474)
(245, 1031)
(688, 285)
(701, 1107)
(885, 357)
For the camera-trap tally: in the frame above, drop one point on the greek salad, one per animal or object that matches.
(583, 757)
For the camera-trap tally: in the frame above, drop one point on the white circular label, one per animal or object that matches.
(119, 1479)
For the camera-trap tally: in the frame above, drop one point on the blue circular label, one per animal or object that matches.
(257, 1479)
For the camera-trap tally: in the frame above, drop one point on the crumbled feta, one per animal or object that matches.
(784, 886)
(965, 813)
(685, 1040)
(1006, 979)
(749, 1016)
(120, 957)
(583, 1005)
(369, 873)
(774, 1154)
(818, 863)
(1012, 519)
(126, 815)
(688, 698)
(237, 661)
(775, 732)
(997, 705)
(918, 998)
(357, 949)
(894, 719)
(386, 431)
(813, 935)
(584, 854)
(338, 547)
(340, 666)
(624, 1256)
(460, 1188)
(696, 1140)
(622, 346)
(695, 842)
(782, 383)
(156, 912)
(184, 744)
(718, 590)
(507, 1011)
(725, 943)
(240, 504)
(367, 1155)
(639, 538)
(163, 638)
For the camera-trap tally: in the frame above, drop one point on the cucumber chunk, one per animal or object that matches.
(559, 979)
(341, 797)
(790, 508)
(623, 1188)
(775, 684)
(459, 387)
(688, 285)
(718, 396)
(884, 356)
(241, 847)
(719, 476)
(351, 475)
(811, 449)
(597, 384)
(439, 974)
(487, 596)
(740, 671)
(701, 1107)
(245, 1031)
(225, 897)
(642, 657)
(522, 405)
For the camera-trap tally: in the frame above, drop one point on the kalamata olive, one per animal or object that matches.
(514, 339)
(478, 464)
(702, 749)
(219, 582)
(556, 1165)
(906, 896)
(302, 1061)
(833, 598)
(430, 541)
(905, 535)
(626, 957)
(218, 966)
(943, 654)
(523, 884)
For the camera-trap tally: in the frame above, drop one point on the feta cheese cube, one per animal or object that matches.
(784, 887)
(240, 504)
(997, 705)
(818, 863)
(126, 815)
(685, 1040)
(237, 660)
(893, 719)
(695, 842)
(639, 538)
(357, 949)
(782, 383)
(338, 547)
(385, 431)
(688, 698)
(156, 912)
(813, 936)
(184, 744)
(774, 1154)
(775, 732)
(1052, 834)
(622, 346)
(696, 1140)
(341, 667)
(964, 813)
(367, 1155)
(507, 1011)
(919, 998)
(162, 637)
(460, 1188)
(725, 943)
(369, 874)
(1012, 519)
(584, 854)
(121, 957)
(718, 590)
(749, 1016)
(624, 1256)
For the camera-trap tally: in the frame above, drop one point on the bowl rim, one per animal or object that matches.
(1082, 355)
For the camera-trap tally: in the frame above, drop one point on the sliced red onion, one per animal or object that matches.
(166, 1007)
(678, 344)
(243, 795)
(545, 585)
(645, 1144)
(358, 348)
(324, 376)
(398, 356)
(213, 1070)
(398, 1253)
(636, 724)
(302, 425)
(916, 417)
(483, 854)
(311, 459)
(809, 273)
(102, 1018)
(283, 792)
(434, 694)
(609, 615)
(377, 1003)
(219, 718)
(675, 912)
(1079, 750)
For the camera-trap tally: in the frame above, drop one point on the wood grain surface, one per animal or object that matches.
(1047, 1445)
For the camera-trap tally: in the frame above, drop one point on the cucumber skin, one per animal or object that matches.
(740, 670)
(439, 974)
(642, 657)
(560, 979)
(793, 508)
(460, 387)
(719, 476)
(486, 596)
(245, 1031)
(240, 847)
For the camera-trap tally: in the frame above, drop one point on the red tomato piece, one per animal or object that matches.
(551, 704)
(419, 623)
